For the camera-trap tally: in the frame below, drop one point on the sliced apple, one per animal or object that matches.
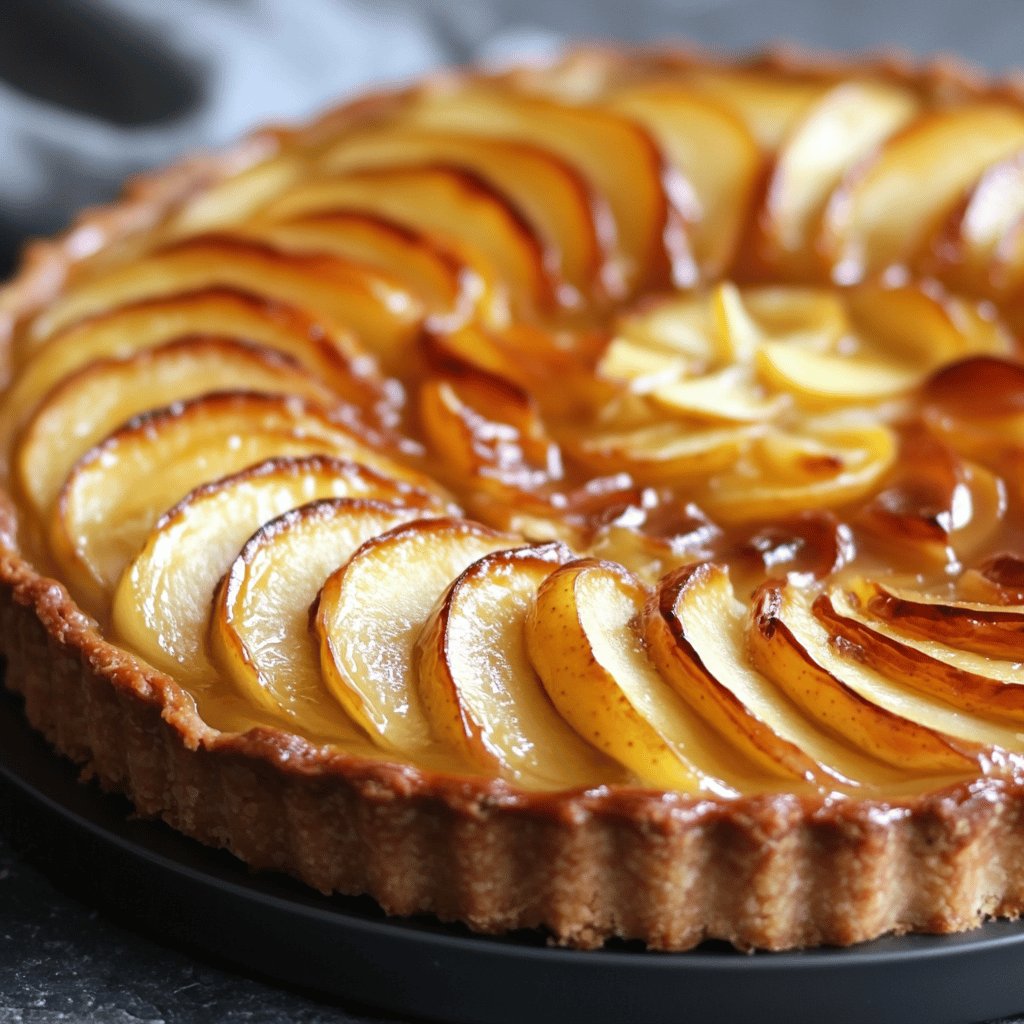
(441, 199)
(943, 505)
(581, 640)
(922, 325)
(802, 548)
(434, 271)
(615, 155)
(725, 396)
(999, 579)
(839, 130)
(688, 127)
(883, 212)
(478, 688)
(971, 249)
(768, 103)
(699, 601)
(117, 333)
(87, 405)
(822, 380)
(148, 465)
(694, 628)
(486, 429)
(863, 708)
(163, 600)
(977, 684)
(662, 454)
(788, 473)
(344, 296)
(238, 196)
(371, 612)
(549, 191)
(259, 628)
(994, 630)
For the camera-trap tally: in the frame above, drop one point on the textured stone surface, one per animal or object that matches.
(63, 960)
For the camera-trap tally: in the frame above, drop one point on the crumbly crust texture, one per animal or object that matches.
(671, 870)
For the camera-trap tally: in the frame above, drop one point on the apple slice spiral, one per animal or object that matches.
(612, 424)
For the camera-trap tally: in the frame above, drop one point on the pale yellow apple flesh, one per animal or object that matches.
(882, 212)
(141, 470)
(445, 200)
(220, 312)
(873, 713)
(694, 630)
(369, 617)
(346, 296)
(837, 132)
(549, 191)
(162, 602)
(259, 626)
(87, 406)
(688, 127)
(582, 642)
(616, 157)
(479, 689)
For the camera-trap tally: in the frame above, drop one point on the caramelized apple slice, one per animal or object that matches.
(478, 688)
(550, 192)
(971, 250)
(999, 580)
(336, 359)
(434, 271)
(371, 612)
(259, 629)
(769, 104)
(86, 406)
(784, 474)
(664, 453)
(943, 505)
(725, 396)
(581, 641)
(978, 684)
(238, 196)
(486, 429)
(163, 599)
(882, 213)
(994, 630)
(442, 199)
(922, 325)
(345, 296)
(148, 465)
(824, 380)
(802, 548)
(841, 128)
(695, 634)
(861, 707)
(613, 154)
(694, 613)
(689, 127)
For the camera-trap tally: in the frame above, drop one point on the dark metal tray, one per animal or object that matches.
(178, 889)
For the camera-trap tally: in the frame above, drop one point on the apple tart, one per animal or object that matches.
(583, 497)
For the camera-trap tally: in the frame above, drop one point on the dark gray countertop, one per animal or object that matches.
(62, 959)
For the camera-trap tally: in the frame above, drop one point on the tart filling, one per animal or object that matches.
(597, 453)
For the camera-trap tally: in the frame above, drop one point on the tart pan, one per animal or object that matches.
(173, 888)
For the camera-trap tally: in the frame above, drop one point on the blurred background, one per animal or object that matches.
(92, 90)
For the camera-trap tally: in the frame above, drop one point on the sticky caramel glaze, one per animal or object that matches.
(499, 392)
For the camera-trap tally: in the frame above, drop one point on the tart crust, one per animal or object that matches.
(772, 872)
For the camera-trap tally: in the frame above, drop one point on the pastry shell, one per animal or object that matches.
(671, 870)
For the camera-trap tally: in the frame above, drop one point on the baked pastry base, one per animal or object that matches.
(771, 872)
